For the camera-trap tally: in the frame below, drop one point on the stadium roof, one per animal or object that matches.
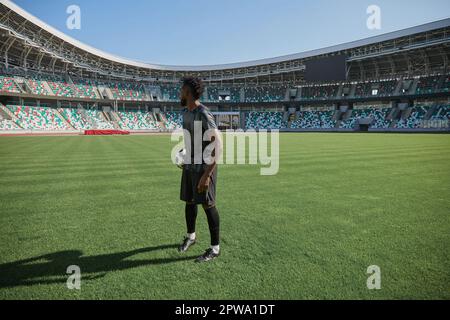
(328, 50)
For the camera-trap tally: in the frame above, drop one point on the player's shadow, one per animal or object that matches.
(51, 268)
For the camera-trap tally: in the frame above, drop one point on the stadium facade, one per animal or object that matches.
(50, 82)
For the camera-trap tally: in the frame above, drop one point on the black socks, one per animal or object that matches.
(214, 225)
(191, 217)
(213, 222)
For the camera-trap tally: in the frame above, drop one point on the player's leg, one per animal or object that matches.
(191, 217)
(187, 195)
(214, 229)
(209, 205)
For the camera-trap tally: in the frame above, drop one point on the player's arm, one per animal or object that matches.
(206, 178)
(216, 139)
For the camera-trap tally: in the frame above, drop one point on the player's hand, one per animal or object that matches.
(203, 184)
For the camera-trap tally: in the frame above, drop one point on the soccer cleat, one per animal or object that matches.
(207, 256)
(187, 243)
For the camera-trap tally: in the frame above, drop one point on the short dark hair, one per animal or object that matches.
(195, 85)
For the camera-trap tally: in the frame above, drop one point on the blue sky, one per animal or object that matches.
(202, 32)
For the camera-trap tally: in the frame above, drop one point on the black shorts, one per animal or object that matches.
(189, 192)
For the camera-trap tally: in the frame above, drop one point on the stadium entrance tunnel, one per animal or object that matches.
(364, 124)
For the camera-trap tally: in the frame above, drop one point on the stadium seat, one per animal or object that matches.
(173, 120)
(320, 92)
(98, 120)
(415, 118)
(37, 86)
(137, 120)
(265, 93)
(6, 125)
(8, 84)
(234, 94)
(170, 93)
(85, 89)
(314, 120)
(377, 113)
(264, 120)
(427, 85)
(127, 91)
(74, 117)
(441, 113)
(37, 118)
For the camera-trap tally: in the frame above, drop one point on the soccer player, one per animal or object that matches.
(198, 182)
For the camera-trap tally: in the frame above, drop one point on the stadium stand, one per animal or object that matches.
(446, 84)
(376, 113)
(173, 120)
(85, 89)
(75, 119)
(314, 120)
(170, 93)
(8, 84)
(214, 95)
(6, 125)
(38, 118)
(427, 85)
(320, 92)
(441, 113)
(235, 94)
(127, 91)
(136, 120)
(413, 121)
(98, 120)
(60, 87)
(387, 88)
(37, 86)
(73, 74)
(265, 93)
(380, 89)
(264, 120)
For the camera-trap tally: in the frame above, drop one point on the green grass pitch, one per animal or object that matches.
(340, 203)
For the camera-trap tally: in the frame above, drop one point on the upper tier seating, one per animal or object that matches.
(427, 85)
(37, 86)
(85, 89)
(127, 91)
(384, 88)
(214, 94)
(61, 87)
(8, 84)
(70, 86)
(170, 93)
(264, 120)
(446, 84)
(37, 118)
(320, 92)
(265, 94)
(387, 88)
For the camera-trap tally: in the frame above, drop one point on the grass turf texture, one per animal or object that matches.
(340, 203)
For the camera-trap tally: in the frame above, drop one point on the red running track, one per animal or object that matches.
(104, 132)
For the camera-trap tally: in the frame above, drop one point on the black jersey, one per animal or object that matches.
(192, 173)
(205, 120)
